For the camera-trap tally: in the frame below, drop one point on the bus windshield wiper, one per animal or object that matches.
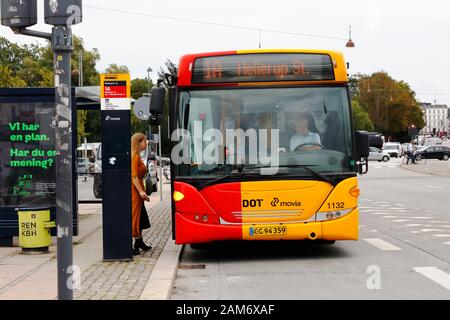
(224, 177)
(304, 166)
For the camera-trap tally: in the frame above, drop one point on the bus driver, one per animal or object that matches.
(304, 138)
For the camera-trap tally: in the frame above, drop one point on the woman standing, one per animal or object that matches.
(139, 217)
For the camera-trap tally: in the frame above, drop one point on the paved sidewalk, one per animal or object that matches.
(432, 167)
(127, 280)
(33, 277)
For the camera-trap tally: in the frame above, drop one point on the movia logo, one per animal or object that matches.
(251, 231)
(275, 202)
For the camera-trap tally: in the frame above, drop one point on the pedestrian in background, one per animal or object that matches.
(411, 152)
(139, 217)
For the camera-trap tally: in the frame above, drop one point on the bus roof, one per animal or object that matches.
(262, 67)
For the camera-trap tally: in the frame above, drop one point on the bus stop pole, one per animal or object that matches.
(62, 47)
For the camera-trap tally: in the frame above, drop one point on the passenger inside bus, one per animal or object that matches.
(333, 136)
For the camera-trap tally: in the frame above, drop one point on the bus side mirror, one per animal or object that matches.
(362, 151)
(18, 14)
(156, 105)
(157, 100)
(92, 159)
(362, 144)
(152, 157)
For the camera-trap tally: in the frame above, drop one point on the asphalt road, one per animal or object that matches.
(403, 251)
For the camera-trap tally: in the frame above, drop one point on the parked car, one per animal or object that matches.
(379, 155)
(434, 152)
(393, 148)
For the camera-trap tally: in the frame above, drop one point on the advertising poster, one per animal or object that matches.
(27, 160)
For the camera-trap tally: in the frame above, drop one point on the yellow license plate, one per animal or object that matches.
(268, 231)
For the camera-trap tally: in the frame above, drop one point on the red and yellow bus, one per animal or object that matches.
(290, 170)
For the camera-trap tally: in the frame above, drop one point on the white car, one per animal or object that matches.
(392, 148)
(376, 154)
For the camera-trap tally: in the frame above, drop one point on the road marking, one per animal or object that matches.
(440, 277)
(442, 235)
(400, 205)
(435, 221)
(431, 187)
(379, 213)
(390, 217)
(431, 230)
(382, 245)
(400, 220)
(446, 243)
(420, 217)
(414, 225)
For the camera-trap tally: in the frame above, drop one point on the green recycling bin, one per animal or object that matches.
(34, 229)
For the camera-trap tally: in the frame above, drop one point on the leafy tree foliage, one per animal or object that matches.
(390, 104)
(116, 69)
(361, 118)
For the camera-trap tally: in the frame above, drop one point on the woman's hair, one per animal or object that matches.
(135, 140)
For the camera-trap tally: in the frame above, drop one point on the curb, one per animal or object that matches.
(424, 172)
(161, 281)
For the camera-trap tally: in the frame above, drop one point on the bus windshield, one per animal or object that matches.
(301, 126)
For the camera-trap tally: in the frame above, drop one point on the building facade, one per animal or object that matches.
(436, 118)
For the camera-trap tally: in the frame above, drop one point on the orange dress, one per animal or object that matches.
(139, 170)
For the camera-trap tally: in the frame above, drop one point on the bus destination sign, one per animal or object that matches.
(263, 68)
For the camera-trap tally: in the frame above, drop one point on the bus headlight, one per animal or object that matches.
(178, 196)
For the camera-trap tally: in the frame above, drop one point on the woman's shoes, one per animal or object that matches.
(136, 252)
(139, 244)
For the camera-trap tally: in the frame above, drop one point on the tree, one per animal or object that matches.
(391, 104)
(13, 55)
(81, 125)
(7, 79)
(90, 58)
(361, 119)
(139, 87)
(116, 69)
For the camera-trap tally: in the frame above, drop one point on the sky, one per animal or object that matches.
(407, 39)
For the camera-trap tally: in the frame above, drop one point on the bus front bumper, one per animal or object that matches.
(344, 228)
